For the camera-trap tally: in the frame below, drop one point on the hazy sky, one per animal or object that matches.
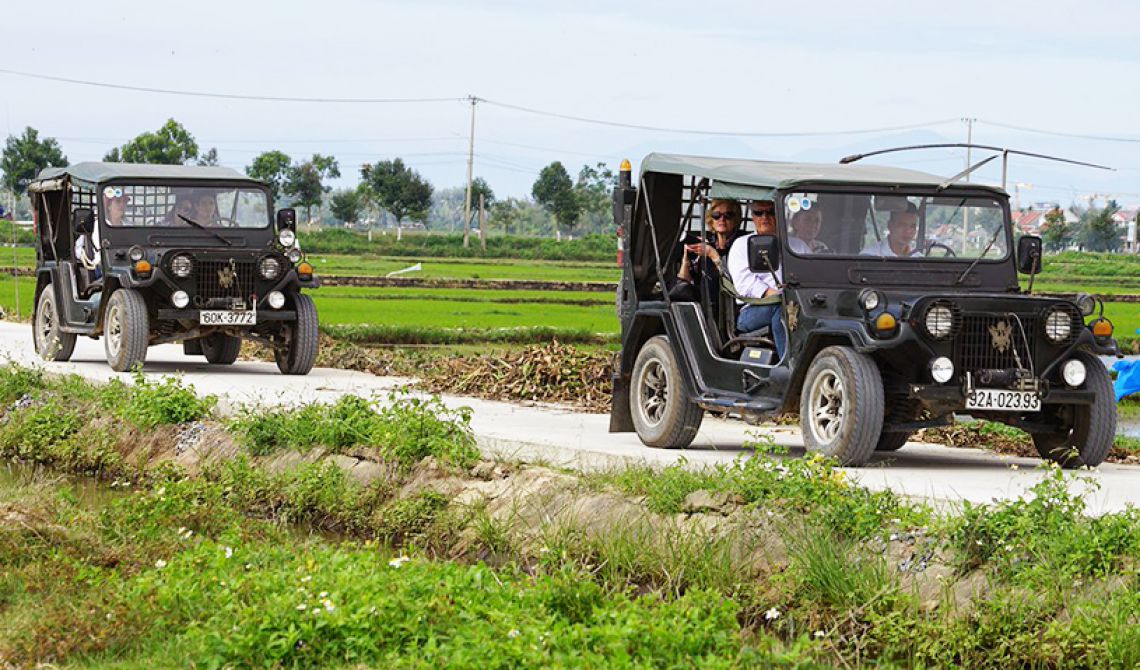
(756, 67)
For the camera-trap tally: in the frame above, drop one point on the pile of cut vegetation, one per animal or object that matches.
(552, 372)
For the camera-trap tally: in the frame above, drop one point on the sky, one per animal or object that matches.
(765, 80)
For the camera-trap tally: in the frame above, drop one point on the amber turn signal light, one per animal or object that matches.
(305, 270)
(885, 321)
(1101, 328)
(142, 267)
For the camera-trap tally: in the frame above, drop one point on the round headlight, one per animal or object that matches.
(939, 321)
(1086, 303)
(294, 255)
(1073, 372)
(179, 299)
(135, 254)
(270, 267)
(869, 299)
(942, 369)
(1058, 325)
(181, 265)
(287, 237)
(276, 299)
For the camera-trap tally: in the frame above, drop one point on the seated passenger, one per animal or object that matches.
(902, 227)
(749, 284)
(87, 245)
(183, 205)
(205, 209)
(805, 229)
(722, 219)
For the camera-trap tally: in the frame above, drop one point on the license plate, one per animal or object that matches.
(1003, 401)
(227, 317)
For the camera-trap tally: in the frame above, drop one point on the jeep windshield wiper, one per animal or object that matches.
(201, 227)
(980, 256)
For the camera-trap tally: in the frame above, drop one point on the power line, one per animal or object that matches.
(223, 96)
(691, 131)
(1057, 133)
(472, 99)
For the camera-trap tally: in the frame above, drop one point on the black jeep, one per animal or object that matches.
(147, 254)
(903, 308)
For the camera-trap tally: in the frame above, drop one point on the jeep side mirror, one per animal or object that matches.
(1029, 255)
(83, 220)
(287, 218)
(763, 253)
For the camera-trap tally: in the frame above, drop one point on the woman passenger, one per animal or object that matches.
(722, 221)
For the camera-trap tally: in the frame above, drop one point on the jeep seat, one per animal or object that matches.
(729, 310)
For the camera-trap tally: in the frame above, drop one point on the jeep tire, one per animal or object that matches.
(841, 407)
(297, 354)
(220, 349)
(52, 344)
(126, 330)
(1087, 431)
(891, 441)
(662, 413)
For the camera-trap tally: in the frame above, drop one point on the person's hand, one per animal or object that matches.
(704, 250)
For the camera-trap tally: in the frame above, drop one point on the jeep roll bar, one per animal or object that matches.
(1005, 152)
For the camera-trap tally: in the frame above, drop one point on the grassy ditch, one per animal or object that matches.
(439, 559)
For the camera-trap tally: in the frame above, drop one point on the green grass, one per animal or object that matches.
(452, 268)
(586, 298)
(806, 569)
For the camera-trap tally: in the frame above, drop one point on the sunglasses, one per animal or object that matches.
(764, 212)
(717, 216)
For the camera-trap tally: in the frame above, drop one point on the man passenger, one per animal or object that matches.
(749, 284)
(902, 228)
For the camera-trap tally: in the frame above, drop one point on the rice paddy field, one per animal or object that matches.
(483, 314)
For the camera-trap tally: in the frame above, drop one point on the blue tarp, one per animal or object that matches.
(1127, 378)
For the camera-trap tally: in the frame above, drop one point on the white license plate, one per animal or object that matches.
(1003, 401)
(227, 317)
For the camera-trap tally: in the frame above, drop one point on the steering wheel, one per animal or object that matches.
(931, 246)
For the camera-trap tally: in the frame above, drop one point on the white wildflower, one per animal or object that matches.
(160, 564)
(302, 607)
(399, 561)
(323, 594)
(229, 552)
(513, 633)
(772, 614)
(820, 633)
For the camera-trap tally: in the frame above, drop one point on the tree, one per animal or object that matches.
(171, 144)
(1056, 233)
(210, 158)
(25, 156)
(271, 167)
(346, 205)
(305, 182)
(1098, 230)
(398, 189)
(507, 213)
(555, 192)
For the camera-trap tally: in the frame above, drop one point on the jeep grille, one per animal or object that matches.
(214, 275)
(980, 343)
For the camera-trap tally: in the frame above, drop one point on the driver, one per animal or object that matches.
(205, 209)
(902, 228)
(805, 233)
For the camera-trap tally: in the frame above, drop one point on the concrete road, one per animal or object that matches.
(581, 440)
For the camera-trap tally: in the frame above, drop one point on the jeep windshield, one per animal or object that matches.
(138, 205)
(896, 227)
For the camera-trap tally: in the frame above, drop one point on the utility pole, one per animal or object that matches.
(470, 167)
(969, 121)
(482, 225)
